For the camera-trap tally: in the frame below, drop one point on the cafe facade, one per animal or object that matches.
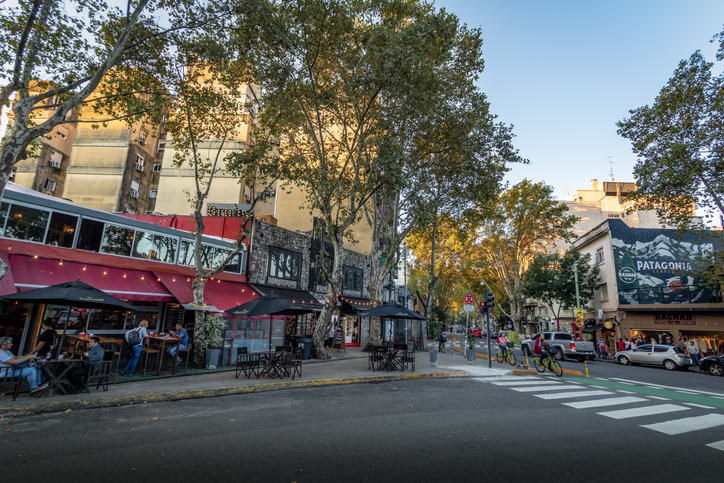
(649, 288)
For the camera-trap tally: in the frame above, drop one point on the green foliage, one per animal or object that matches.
(680, 147)
(211, 332)
(550, 279)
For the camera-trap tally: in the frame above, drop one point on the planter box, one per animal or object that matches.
(433, 357)
(471, 356)
(212, 358)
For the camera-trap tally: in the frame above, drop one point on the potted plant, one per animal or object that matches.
(211, 338)
(470, 353)
(435, 331)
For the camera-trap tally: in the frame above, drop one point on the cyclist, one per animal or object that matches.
(542, 349)
(502, 341)
(441, 339)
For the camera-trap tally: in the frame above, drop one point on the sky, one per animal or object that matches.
(563, 72)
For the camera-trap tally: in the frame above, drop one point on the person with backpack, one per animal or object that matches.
(135, 338)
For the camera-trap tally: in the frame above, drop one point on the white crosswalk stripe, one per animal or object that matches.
(546, 388)
(685, 425)
(644, 411)
(718, 445)
(525, 383)
(599, 403)
(564, 395)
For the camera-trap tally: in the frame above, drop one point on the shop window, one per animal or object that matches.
(25, 223)
(353, 279)
(284, 264)
(61, 230)
(117, 240)
(154, 247)
(90, 236)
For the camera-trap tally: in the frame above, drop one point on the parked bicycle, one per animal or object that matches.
(506, 355)
(550, 362)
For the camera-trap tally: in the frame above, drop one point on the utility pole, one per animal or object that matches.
(578, 298)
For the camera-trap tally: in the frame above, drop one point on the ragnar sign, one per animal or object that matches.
(675, 318)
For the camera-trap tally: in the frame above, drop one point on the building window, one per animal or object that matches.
(24, 223)
(284, 264)
(61, 230)
(139, 163)
(154, 247)
(49, 184)
(599, 256)
(353, 279)
(117, 240)
(161, 145)
(153, 194)
(156, 167)
(603, 290)
(134, 193)
(90, 235)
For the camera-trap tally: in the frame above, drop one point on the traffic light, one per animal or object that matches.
(489, 299)
(483, 307)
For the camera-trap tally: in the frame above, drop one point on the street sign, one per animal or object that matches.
(578, 311)
(469, 299)
(468, 308)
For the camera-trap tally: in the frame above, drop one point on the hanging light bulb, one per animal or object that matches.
(36, 256)
(143, 277)
(60, 263)
(105, 272)
(84, 267)
(174, 279)
(124, 274)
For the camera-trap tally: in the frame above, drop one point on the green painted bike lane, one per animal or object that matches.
(649, 391)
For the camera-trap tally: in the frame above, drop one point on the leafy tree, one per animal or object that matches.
(84, 55)
(679, 141)
(550, 279)
(526, 221)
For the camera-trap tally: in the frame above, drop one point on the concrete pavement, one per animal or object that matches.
(349, 368)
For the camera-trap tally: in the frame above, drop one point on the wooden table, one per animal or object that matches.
(163, 344)
(52, 378)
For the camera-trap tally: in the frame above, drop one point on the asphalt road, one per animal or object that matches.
(518, 428)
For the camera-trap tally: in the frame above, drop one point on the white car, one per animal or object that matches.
(658, 355)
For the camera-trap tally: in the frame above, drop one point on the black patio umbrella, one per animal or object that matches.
(72, 294)
(270, 304)
(392, 311)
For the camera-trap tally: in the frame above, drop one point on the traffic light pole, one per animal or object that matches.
(487, 329)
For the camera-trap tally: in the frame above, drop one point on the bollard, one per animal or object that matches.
(585, 363)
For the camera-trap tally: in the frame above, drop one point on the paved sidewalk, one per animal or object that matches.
(349, 368)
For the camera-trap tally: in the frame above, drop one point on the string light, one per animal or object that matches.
(105, 272)
(36, 256)
(174, 279)
(124, 274)
(61, 262)
(84, 267)
(143, 277)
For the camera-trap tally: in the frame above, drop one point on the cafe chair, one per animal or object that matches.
(184, 354)
(408, 360)
(400, 347)
(296, 365)
(101, 376)
(248, 364)
(283, 348)
(10, 375)
(147, 353)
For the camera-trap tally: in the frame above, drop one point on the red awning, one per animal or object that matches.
(221, 294)
(29, 273)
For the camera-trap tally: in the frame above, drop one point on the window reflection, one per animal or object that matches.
(117, 240)
(25, 223)
(186, 253)
(61, 230)
(155, 247)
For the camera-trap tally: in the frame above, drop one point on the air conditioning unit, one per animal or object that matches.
(134, 194)
(139, 166)
(55, 164)
(600, 315)
(273, 192)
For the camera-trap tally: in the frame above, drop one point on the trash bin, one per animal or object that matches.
(304, 347)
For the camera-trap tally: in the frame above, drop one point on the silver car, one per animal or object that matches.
(658, 355)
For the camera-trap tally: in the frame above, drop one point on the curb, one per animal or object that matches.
(76, 404)
(570, 372)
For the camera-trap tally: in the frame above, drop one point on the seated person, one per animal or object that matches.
(12, 365)
(180, 333)
(46, 339)
(503, 343)
(94, 354)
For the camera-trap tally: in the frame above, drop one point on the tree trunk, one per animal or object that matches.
(12, 153)
(198, 285)
(330, 303)
(433, 276)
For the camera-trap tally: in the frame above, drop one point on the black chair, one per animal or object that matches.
(378, 358)
(248, 364)
(408, 360)
(11, 375)
(283, 348)
(296, 365)
(400, 347)
(100, 373)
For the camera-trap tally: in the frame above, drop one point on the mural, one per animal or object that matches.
(654, 266)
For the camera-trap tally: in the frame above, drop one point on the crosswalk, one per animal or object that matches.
(618, 404)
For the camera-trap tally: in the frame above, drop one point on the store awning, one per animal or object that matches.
(351, 305)
(31, 273)
(221, 294)
(593, 328)
(297, 296)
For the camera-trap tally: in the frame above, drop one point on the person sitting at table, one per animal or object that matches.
(12, 365)
(46, 339)
(94, 354)
(135, 338)
(180, 333)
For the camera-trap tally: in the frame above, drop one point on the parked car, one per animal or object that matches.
(476, 332)
(657, 355)
(714, 365)
(565, 343)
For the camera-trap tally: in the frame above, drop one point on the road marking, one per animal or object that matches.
(597, 403)
(660, 386)
(563, 395)
(627, 383)
(644, 411)
(685, 425)
(718, 445)
(544, 388)
(660, 398)
(517, 378)
(626, 392)
(601, 378)
(523, 383)
(699, 405)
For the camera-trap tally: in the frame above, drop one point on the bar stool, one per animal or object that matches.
(186, 351)
(148, 352)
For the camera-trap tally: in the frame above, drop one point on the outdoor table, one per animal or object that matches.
(273, 365)
(83, 340)
(392, 361)
(164, 343)
(54, 380)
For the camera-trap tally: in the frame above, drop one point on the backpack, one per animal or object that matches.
(134, 337)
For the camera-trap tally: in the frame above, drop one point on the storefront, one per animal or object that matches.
(667, 325)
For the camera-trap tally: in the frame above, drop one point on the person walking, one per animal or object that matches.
(135, 338)
(693, 349)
